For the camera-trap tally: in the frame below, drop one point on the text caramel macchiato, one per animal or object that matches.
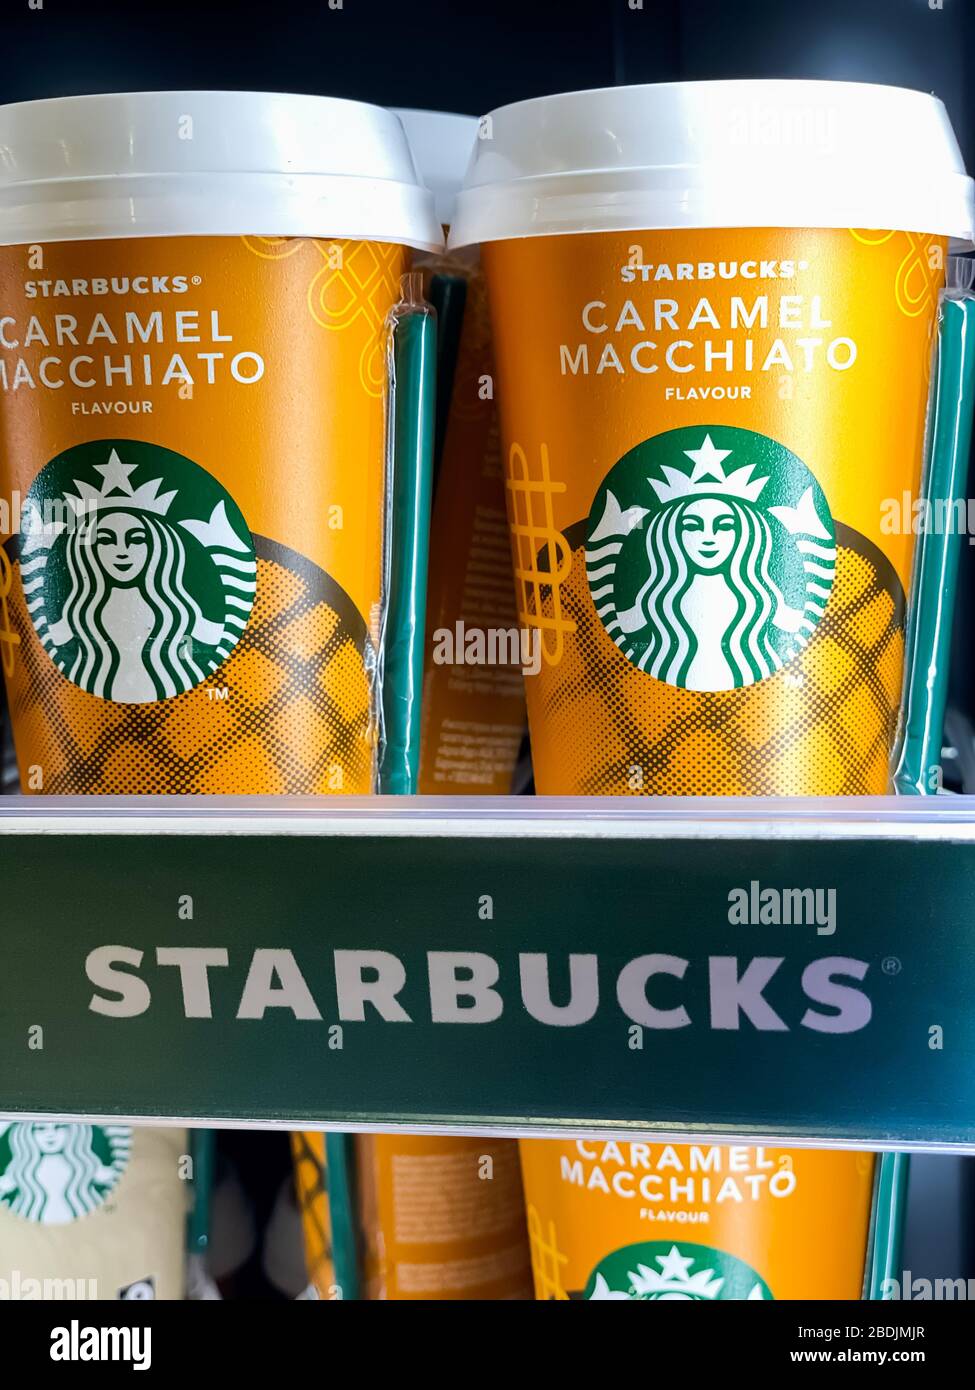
(194, 294)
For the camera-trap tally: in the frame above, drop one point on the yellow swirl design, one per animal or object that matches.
(354, 287)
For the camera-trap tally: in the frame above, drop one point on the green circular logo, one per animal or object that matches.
(710, 556)
(660, 1271)
(53, 1173)
(138, 569)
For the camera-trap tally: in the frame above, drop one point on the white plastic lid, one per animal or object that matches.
(717, 154)
(442, 143)
(208, 164)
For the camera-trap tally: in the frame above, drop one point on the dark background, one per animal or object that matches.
(471, 55)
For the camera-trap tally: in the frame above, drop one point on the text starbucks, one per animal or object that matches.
(655, 991)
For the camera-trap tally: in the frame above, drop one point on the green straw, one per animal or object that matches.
(339, 1189)
(202, 1149)
(411, 416)
(889, 1199)
(936, 561)
(199, 1284)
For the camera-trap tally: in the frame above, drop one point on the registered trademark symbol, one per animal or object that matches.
(890, 965)
(196, 280)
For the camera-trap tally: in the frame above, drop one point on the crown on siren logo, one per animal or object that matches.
(117, 491)
(630, 1274)
(708, 477)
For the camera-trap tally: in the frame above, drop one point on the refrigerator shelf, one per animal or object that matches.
(794, 970)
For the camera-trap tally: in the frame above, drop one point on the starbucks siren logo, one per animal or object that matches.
(138, 569)
(658, 1272)
(710, 556)
(54, 1173)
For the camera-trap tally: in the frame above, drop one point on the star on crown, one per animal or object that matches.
(674, 1277)
(708, 477)
(117, 491)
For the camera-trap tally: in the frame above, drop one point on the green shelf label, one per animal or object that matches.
(619, 976)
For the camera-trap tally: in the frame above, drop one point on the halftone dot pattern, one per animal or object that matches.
(309, 632)
(290, 710)
(825, 724)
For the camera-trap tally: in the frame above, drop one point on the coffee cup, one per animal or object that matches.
(197, 302)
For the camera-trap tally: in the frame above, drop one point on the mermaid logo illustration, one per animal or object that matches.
(655, 1272)
(143, 583)
(710, 576)
(54, 1173)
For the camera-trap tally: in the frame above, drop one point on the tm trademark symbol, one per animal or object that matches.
(218, 692)
(890, 965)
